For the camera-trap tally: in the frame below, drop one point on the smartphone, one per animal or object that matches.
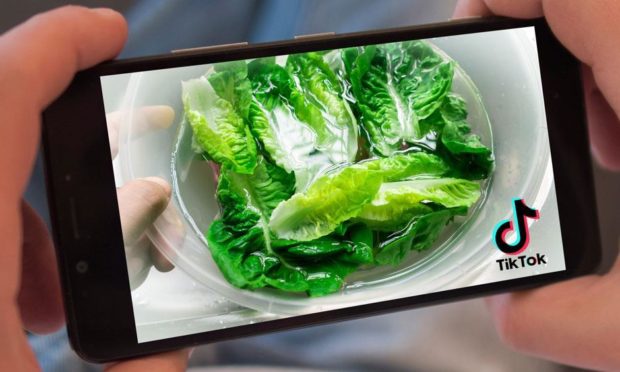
(316, 180)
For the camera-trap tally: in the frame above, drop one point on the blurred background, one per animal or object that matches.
(454, 337)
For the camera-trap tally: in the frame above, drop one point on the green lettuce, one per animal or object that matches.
(299, 117)
(286, 124)
(397, 203)
(333, 161)
(329, 201)
(467, 156)
(339, 196)
(421, 232)
(321, 85)
(217, 121)
(405, 165)
(249, 256)
(395, 86)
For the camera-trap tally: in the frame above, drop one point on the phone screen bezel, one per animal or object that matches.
(86, 222)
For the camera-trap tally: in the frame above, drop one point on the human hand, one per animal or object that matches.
(39, 59)
(573, 322)
(142, 201)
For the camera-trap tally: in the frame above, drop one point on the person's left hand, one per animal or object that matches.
(39, 59)
(142, 201)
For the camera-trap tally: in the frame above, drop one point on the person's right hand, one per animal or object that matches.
(575, 322)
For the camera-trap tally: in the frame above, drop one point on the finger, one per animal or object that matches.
(471, 8)
(140, 203)
(160, 262)
(144, 120)
(568, 322)
(590, 30)
(113, 120)
(149, 118)
(167, 362)
(138, 261)
(603, 124)
(171, 235)
(40, 57)
(508, 8)
(38, 60)
(39, 296)
(140, 256)
(14, 349)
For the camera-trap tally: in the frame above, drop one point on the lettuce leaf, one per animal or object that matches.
(249, 256)
(216, 118)
(339, 196)
(395, 86)
(421, 232)
(288, 126)
(230, 82)
(320, 84)
(402, 166)
(329, 201)
(463, 151)
(299, 117)
(397, 203)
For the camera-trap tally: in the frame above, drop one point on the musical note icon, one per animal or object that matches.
(520, 212)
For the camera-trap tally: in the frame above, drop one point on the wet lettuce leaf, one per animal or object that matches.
(395, 86)
(421, 232)
(463, 151)
(397, 203)
(329, 201)
(405, 165)
(299, 117)
(215, 105)
(286, 124)
(321, 85)
(339, 196)
(249, 256)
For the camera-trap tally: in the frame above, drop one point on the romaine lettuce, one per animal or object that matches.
(339, 196)
(250, 257)
(299, 117)
(397, 203)
(320, 84)
(395, 86)
(332, 161)
(462, 150)
(216, 118)
(421, 232)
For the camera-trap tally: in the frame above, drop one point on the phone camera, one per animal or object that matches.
(81, 267)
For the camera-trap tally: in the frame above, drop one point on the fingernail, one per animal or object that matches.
(191, 351)
(161, 182)
(105, 12)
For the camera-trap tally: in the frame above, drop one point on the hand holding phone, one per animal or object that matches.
(323, 178)
(40, 58)
(571, 322)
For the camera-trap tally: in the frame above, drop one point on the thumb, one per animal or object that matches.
(140, 202)
(166, 362)
(39, 296)
(568, 322)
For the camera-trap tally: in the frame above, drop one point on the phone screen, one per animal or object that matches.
(323, 180)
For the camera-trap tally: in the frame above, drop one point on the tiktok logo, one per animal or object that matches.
(520, 211)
